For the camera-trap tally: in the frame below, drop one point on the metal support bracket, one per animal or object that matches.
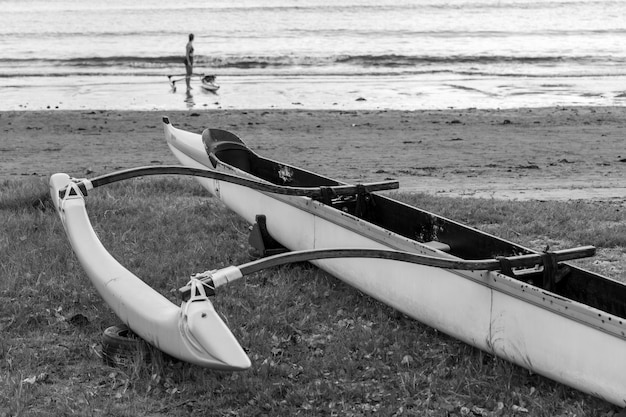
(261, 240)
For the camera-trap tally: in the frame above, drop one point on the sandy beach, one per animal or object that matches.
(531, 153)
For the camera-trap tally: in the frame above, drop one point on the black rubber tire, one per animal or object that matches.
(122, 348)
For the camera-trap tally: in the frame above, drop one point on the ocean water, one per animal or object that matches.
(390, 54)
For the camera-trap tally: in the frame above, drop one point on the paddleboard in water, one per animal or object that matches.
(207, 82)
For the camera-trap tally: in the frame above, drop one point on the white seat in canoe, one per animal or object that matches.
(438, 245)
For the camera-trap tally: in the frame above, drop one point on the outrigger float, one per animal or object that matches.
(533, 309)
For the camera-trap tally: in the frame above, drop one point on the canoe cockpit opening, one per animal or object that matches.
(227, 147)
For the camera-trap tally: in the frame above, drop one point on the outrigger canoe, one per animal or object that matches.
(543, 314)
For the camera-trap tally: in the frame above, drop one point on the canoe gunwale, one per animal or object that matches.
(550, 301)
(583, 313)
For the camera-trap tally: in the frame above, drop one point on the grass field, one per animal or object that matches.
(318, 347)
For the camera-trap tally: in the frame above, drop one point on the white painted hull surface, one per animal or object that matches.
(193, 332)
(561, 339)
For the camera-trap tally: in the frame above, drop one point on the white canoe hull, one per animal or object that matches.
(563, 340)
(192, 332)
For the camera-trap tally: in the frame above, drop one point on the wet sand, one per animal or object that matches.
(538, 153)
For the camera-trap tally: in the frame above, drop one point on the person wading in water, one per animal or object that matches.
(189, 61)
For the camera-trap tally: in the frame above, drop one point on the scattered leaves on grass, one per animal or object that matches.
(318, 346)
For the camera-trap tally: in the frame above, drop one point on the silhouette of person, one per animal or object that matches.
(189, 61)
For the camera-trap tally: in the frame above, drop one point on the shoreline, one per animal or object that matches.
(302, 92)
(553, 153)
